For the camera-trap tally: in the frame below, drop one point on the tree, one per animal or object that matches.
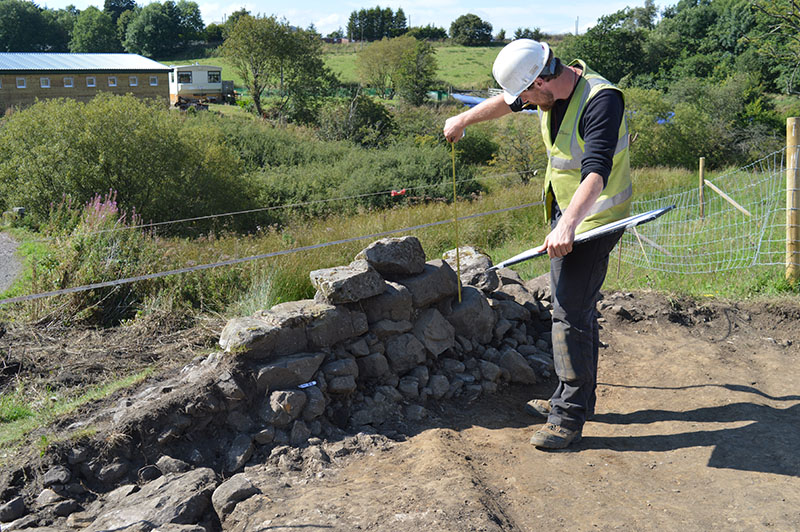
(470, 30)
(611, 47)
(374, 24)
(427, 33)
(781, 40)
(267, 53)
(213, 33)
(190, 22)
(526, 33)
(124, 20)
(501, 35)
(117, 7)
(402, 65)
(25, 27)
(94, 32)
(153, 32)
(416, 73)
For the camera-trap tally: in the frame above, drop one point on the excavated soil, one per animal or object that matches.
(697, 428)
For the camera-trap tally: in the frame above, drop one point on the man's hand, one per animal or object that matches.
(559, 242)
(453, 129)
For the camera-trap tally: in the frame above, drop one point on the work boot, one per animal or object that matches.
(538, 408)
(555, 437)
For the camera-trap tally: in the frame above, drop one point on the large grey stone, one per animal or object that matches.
(334, 325)
(387, 328)
(435, 332)
(284, 407)
(393, 304)
(288, 372)
(239, 452)
(372, 366)
(517, 366)
(347, 284)
(474, 268)
(395, 256)
(439, 386)
(56, 475)
(315, 404)
(510, 310)
(437, 281)
(258, 339)
(342, 367)
(12, 510)
(342, 385)
(230, 493)
(539, 287)
(177, 498)
(404, 352)
(473, 318)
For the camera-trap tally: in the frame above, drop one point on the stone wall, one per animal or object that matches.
(384, 338)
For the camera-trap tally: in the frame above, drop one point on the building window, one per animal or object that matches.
(1, 83)
(133, 81)
(112, 81)
(214, 77)
(21, 83)
(91, 81)
(69, 83)
(184, 77)
(44, 83)
(154, 81)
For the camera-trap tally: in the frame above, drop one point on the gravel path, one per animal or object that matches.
(9, 264)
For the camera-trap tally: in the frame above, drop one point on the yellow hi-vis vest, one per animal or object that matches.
(565, 154)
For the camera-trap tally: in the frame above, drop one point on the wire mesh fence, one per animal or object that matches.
(725, 238)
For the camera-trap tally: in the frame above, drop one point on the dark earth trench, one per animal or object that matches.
(697, 428)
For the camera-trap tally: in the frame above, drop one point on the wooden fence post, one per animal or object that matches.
(792, 200)
(702, 187)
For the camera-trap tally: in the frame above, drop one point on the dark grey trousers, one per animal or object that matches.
(575, 282)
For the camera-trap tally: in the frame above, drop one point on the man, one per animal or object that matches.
(587, 185)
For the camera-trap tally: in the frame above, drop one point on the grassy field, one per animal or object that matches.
(459, 66)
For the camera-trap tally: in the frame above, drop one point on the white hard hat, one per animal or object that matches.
(518, 64)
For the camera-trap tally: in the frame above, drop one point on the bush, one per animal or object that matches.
(424, 170)
(360, 120)
(93, 244)
(163, 165)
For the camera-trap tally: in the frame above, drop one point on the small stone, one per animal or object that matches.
(167, 464)
(13, 510)
(56, 475)
(230, 493)
(415, 412)
(264, 436)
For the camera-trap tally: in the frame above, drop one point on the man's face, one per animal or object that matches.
(538, 94)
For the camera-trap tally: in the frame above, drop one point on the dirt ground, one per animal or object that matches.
(697, 428)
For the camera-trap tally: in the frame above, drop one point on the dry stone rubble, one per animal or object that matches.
(296, 387)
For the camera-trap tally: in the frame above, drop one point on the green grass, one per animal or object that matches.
(21, 411)
(459, 66)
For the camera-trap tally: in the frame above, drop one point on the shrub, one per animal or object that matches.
(92, 244)
(360, 120)
(164, 165)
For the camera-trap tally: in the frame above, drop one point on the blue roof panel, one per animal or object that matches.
(19, 62)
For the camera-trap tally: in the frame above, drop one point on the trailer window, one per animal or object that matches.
(214, 76)
(184, 77)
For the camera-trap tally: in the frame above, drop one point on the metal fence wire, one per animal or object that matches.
(725, 238)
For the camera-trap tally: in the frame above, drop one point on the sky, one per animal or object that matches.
(550, 16)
